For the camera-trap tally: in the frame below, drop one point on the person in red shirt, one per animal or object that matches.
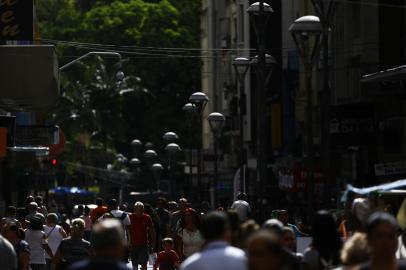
(142, 234)
(99, 211)
(168, 259)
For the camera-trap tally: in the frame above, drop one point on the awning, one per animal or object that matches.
(389, 75)
(29, 78)
(368, 190)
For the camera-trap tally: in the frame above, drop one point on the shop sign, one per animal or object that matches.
(36, 135)
(394, 168)
(345, 126)
(16, 19)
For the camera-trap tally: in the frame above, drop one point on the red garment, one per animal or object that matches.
(98, 212)
(140, 229)
(167, 259)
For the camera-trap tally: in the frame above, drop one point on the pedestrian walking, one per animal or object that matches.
(11, 217)
(176, 216)
(382, 235)
(15, 235)
(167, 259)
(54, 234)
(324, 252)
(109, 247)
(8, 256)
(36, 239)
(164, 217)
(74, 248)
(99, 211)
(149, 210)
(33, 212)
(190, 239)
(217, 253)
(142, 235)
(289, 242)
(114, 212)
(355, 252)
(241, 206)
(88, 223)
(41, 207)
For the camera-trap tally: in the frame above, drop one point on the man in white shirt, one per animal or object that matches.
(217, 254)
(241, 206)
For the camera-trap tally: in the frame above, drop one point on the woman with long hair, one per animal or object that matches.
(324, 253)
(74, 248)
(190, 239)
(15, 235)
(37, 240)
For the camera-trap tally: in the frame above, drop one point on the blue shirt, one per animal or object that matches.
(218, 255)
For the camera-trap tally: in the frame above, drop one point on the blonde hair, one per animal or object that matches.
(355, 250)
(78, 225)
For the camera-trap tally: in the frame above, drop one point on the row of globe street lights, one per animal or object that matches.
(149, 158)
(197, 103)
(309, 34)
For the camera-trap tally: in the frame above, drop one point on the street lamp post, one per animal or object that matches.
(119, 75)
(121, 161)
(259, 13)
(216, 121)
(157, 170)
(241, 66)
(303, 30)
(324, 10)
(172, 149)
(136, 146)
(150, 156)
(200, 100)
(190, 111)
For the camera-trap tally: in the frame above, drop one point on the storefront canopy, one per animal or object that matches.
(389, 75)
(369, 190)
(70, 190)
(28, 77)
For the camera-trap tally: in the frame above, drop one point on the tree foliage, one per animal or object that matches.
(165, 82)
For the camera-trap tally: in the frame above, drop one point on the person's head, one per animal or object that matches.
(264, 252)
(35, 223)
(289, 239)
(38, 200)
(215, 226)
(149, 210)
(108, 239)
(33, 207)
(326, 239)
(78, 226)
(52, 219)
(11, 211)
(86, 211)
(283, 216)
(138, 208)
(205, 206)
(242, 196)
(112, 204)
(12, 232)
(29, 199)
(247, 229)
(81, 208)
(382, 234)
(274, 227)
(99, 202)
(183, 203)
(167, 243)
(190, 218)
(355, 251)
(172, 206)
(161, 203)
(234, 220)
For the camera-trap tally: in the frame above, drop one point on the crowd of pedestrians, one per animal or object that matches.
(174, 235)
